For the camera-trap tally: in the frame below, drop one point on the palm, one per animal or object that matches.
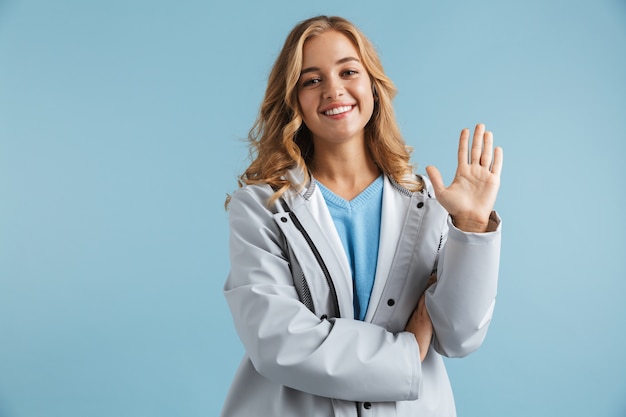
(471, 196)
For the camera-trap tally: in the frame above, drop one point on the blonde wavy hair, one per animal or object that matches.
(279, 139)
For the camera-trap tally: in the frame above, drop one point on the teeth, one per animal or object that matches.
(337, 110)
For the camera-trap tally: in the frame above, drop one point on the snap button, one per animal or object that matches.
(391, 302)
(367, 406)
(283, 219)
(420, 205)
(324, 317)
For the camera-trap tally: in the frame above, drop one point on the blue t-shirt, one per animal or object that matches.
(358, 224)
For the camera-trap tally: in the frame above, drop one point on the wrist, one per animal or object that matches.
(471, 224)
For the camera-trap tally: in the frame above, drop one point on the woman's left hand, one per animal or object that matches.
(472, 195)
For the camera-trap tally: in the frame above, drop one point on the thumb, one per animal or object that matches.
(435, 178)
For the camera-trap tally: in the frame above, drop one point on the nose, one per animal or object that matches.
(333, 88)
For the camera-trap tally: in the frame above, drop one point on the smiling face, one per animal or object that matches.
(334, 90)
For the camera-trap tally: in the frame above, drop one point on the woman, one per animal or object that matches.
(334, 240)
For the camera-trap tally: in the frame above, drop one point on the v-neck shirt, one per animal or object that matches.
(358, 224)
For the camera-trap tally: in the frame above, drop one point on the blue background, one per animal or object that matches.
(121, 126)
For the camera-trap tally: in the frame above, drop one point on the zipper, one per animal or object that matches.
(434, 271)
(306, 293)
(318, 257)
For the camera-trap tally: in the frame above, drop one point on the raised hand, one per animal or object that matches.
(471, 196)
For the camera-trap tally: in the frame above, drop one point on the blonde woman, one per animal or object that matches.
(349, 280)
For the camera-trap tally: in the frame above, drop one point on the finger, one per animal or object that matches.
(487, 154)
(420, 302)
(477, 143)
(435, 178)
(421, 308)
(498, 159)
(463, 145)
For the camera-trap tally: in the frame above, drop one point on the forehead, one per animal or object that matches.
(327, 48)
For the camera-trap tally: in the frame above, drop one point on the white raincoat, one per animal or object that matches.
(290, 293)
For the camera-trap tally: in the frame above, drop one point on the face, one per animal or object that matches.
(334, 90)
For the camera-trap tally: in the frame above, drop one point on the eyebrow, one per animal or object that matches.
(341, 61)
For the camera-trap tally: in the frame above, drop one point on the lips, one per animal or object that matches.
(337, 110)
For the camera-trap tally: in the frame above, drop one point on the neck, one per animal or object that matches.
(344, 169)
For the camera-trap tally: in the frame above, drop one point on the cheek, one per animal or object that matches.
(305, 102)
(367, 96)
(364, 90)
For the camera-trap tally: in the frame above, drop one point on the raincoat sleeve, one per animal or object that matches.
(461, 302)
(286, 342)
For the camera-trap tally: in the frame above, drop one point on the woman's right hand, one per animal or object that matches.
(422, 328)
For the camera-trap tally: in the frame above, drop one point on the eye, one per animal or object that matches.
(349, 73)
(311, 82)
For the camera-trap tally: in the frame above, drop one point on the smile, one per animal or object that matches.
(338, 110)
